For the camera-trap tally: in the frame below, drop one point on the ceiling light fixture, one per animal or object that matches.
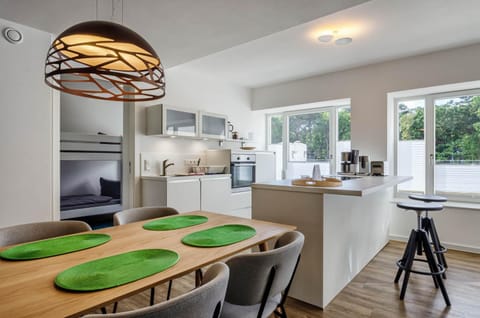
(325, 38)
(104, 60)
(343, 41)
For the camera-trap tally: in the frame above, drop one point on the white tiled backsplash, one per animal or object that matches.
(151, 162)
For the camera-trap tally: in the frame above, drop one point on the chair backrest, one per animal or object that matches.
(205, 301)
(41, 230)
(144, 213)
(249, 273)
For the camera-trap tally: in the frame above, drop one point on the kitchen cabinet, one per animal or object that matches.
(182, 194)
(190, 193)
(171, 121)
(241, 204)
(215, 194)
(213, 125)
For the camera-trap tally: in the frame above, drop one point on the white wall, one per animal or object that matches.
(90, 116)
(185, 88)
(368, 87)
(27, 130)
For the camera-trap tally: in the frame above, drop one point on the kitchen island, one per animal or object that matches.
(344, 228)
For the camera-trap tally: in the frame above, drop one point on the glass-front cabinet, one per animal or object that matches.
(169, 120)
(213, 125)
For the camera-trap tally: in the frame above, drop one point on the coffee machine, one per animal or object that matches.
(364, 165)
(349, 162)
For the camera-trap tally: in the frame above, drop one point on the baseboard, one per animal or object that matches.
(450, 246)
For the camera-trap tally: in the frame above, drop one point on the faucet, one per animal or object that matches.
(165, 166)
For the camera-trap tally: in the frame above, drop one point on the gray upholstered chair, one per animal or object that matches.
(259, 282)
(204, 301)
(140, 214)
(40, 230)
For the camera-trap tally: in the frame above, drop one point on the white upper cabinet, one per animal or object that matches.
(168, 120)
(213, 125)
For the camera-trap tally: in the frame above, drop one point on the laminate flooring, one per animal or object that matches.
(372, 293)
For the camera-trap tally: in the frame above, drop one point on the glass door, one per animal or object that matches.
(308, 142)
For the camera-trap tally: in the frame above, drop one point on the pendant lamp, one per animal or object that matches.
(104, 60)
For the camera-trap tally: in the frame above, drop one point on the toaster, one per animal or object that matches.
(377, 168)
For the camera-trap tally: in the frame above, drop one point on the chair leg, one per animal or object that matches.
(152, 296)
(169, 291)
(408, 263)
(104, 310)
(266, 292)
(431, 260)
(115, 306)
(404, 257)
(437, 245)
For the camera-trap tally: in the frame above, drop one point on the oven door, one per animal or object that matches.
(243, 174)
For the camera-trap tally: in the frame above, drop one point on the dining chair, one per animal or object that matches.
(139, 214)
(204, 301)
(40, 230)
(259, 282)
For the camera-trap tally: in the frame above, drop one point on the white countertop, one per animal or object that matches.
(175, 177)
(354, 187)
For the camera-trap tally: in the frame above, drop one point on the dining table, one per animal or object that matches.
(27, 288)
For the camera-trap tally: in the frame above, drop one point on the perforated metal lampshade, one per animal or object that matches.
(104, 60)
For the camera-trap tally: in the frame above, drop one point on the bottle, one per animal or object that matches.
(316, 175)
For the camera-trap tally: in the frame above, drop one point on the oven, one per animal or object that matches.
(242, 169)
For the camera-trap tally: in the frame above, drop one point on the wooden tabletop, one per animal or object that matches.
(27, 287)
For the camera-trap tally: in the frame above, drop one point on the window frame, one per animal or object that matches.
(430, 141)
(333, 132)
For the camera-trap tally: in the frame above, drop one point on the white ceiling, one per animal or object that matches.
(381, 30)
(261, 42)
(179, 30)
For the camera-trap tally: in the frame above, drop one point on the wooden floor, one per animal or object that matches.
(373, 294)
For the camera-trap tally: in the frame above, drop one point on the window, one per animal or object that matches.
(438, 143)
(304, 138)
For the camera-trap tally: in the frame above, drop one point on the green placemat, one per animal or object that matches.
(175, 222)
(220, 235)
(54, 246)
(116, 270)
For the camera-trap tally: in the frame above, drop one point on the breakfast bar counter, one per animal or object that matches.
(344, 228)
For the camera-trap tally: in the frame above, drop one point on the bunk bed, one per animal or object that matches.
(85, 147)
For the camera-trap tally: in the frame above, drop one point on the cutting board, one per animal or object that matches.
(327, 182)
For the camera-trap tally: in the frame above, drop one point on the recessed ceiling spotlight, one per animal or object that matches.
(13, 35)
(325, 38)
(343, 41)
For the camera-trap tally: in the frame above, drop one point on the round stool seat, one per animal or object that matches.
(420, 206)
(427, 198)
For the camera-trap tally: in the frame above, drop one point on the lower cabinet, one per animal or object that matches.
(209, 193)
(215, 194)
(241, 204)
(183, 195)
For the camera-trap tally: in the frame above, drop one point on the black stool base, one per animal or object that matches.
(417, 242)
(429, 226)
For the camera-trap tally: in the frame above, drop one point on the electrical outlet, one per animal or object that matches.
(190, 162)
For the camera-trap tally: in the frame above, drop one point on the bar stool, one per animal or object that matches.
(418, 242)
(429, 226)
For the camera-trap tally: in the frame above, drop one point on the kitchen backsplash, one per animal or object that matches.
(151, 162)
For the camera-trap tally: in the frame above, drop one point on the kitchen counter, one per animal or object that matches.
(357, 186)
(344, 228)
(184, 177)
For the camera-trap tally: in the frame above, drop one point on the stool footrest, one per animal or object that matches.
(403, 267)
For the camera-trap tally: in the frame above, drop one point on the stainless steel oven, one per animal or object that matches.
(242, 169)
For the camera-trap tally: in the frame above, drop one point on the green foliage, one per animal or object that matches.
(312, 130)
(344, 129)
(276, 127)
(457, 127)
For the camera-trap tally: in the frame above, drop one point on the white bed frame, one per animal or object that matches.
(74, 146)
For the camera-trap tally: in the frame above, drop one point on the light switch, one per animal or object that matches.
(146, 165)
